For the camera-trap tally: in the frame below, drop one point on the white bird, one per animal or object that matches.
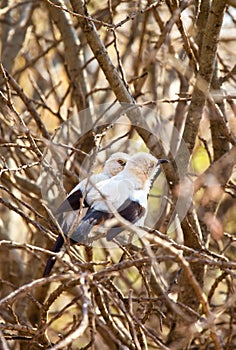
(126, 193)
(81, 193)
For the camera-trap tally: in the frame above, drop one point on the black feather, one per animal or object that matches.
(92, 218)
(72, 202)
(65, 226)
(51, 260)
(131, 211)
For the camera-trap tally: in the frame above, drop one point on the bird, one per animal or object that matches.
(79, 197)
(126, 192)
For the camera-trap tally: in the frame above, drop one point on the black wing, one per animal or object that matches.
(92, 218)
(131, 211)
(72, 202)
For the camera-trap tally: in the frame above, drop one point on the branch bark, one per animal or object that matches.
(204, 76)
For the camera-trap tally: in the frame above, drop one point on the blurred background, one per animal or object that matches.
(71, 75)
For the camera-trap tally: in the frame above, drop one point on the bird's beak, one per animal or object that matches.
(161, 161)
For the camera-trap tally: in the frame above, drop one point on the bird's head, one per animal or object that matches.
(145, 164)
(116, 163)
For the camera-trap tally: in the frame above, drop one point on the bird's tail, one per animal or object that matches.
(51, 260)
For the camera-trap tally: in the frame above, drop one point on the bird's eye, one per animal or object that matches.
(121, 162)
(151, 166)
